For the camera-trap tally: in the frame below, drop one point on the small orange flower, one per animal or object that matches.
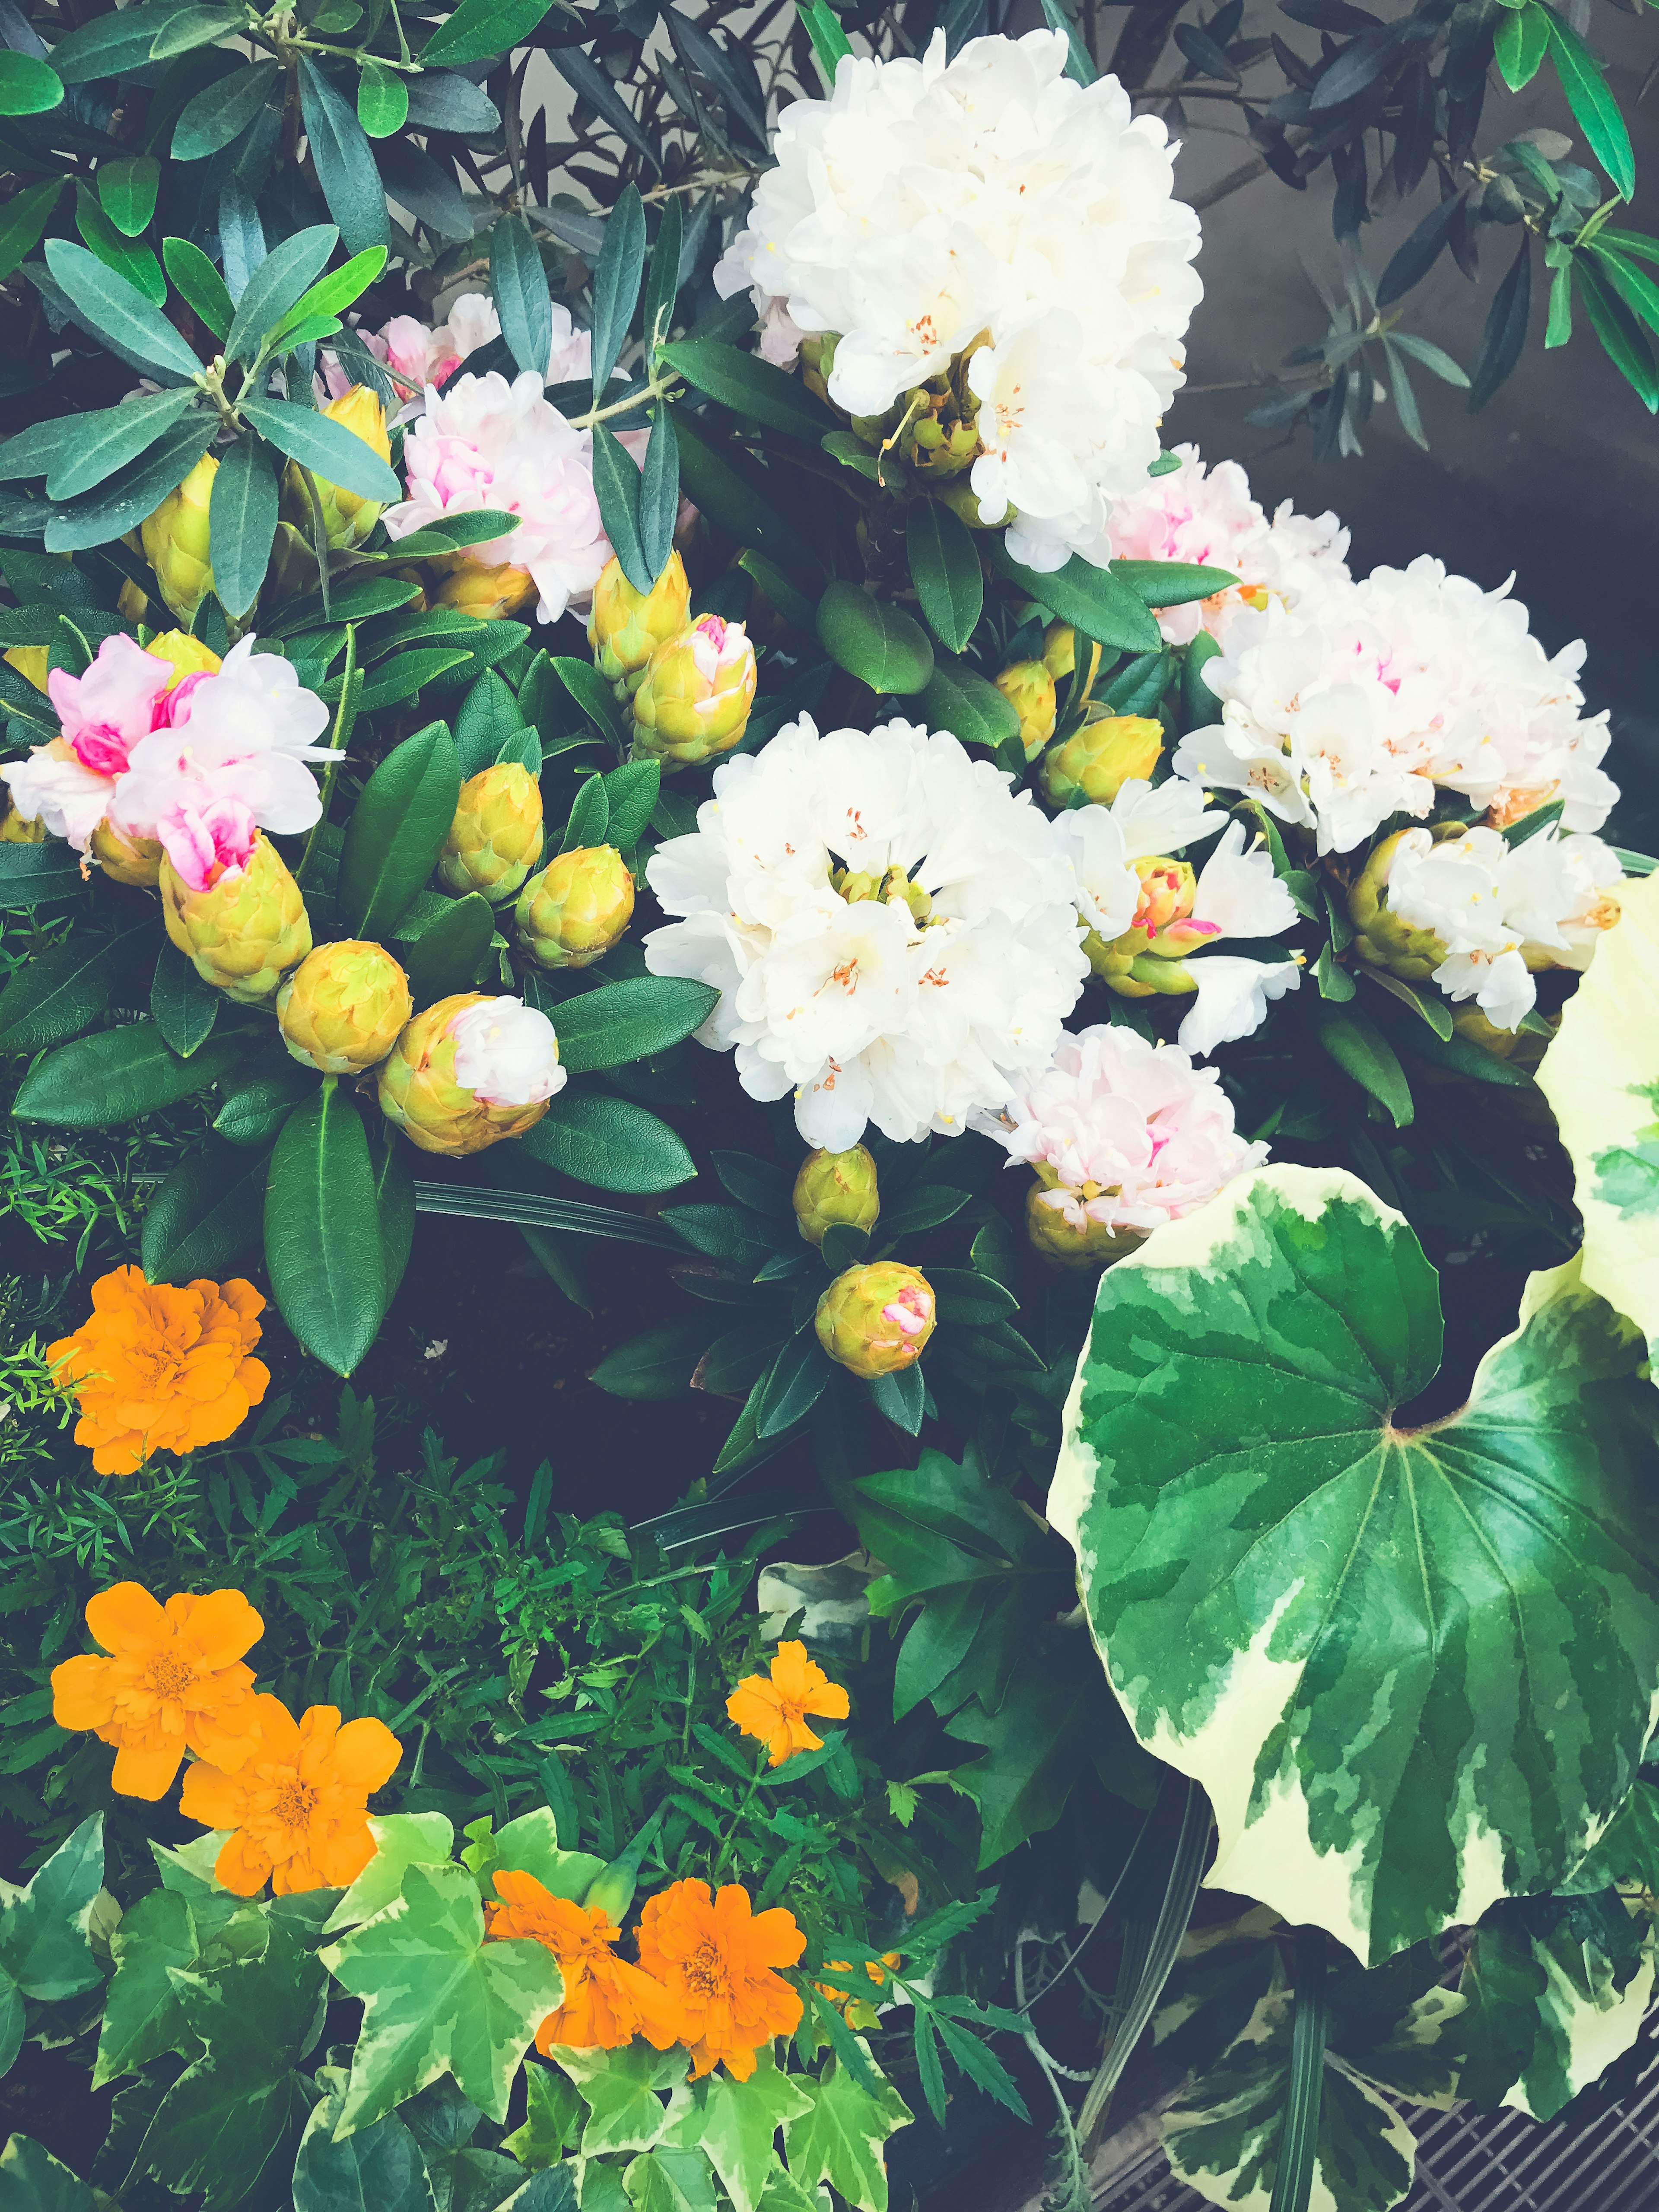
(715, 1957)
(776, 1710)
(300, 1802)
(158, 1369)
(173, 1682)
(859, 2012)
(607, 2002)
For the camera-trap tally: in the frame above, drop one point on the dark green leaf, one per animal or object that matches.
(23, 219)
(479, 28)
(334, 455)
(873, 640)
(397, 830)
(1092, 599)
(127, 189)
(621, 1022)
(659, 494)
(242, 524)
(59, 990)
(32, 874)
(1593, 104)
(659, 1364)
(98, 445)
(753, 389)
(382, 101)
(350, 181)
(522, 302)
(203, 1218)
(957, 698)
(115, 1076)
(1171, 583)
(323, 1245)
(183, 1006)
(798, 1380)
(489, 716)
(221, 111)
(449, 952)
(945, 568)
(1360, 1050)
(29, 86)
(590, 82)
(590, 693)
(126, 498)
(616, 487)
(202, 285)
(615, 280)
(186, 28)
(729, 499)
(662, 285)
(609, 1142)
(114, 307)
(256, 1105)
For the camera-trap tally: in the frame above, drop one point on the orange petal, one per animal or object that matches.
(318, 1726)
(83, 1692)
(771, 1939)
(343, 1856)
(217, 1800)
(222, 1626)
(523, 1891)
(279, 1732)
(125, 1617)
(242, 1866)
(830, 1703)
(145, 1773)
(365, 1755)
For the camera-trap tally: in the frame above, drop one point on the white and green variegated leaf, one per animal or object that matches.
(437, 1998)
(1223, 2133)
(1413, 1667)
(841, 2138)
(1627, 1855)
(1550, 2008)
(736, 2124)
(1601, 1077)
(622, 2091)
(401, 1840)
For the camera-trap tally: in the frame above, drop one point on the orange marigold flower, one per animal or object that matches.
(158, 1369)
(173, 1682)
(859, 2012)
(299, 1804)
(776, 1710)
(715, 1957)
(607, 2002)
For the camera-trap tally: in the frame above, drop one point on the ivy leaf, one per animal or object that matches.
(1413, 1668)
(619, 2090)
(143, 2014)
(1600, 1076)
(437, 1998)
(551, 2122)
(740, 2126)
(32, 2180)
(401, 1840)
(43, 1926)
(839, 2140)
(670, 2181)
(374, 2169)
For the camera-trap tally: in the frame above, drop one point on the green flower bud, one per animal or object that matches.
(573, 912)
(876, 1319)
(348, 518)
(835, 1187)
(614, 1886)
(1060, 654)
(1030, 691)
(17, 829)
(496, 837)
(175, 540)
(694, 702)
(245, 931)
(489, 594)
(135, 860)
(343, 1006)
(418, 1089)
(626, 627)
(1087, 1243)
(1382, 937)
(1100, 758)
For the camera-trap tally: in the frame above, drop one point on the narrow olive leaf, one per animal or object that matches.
(1622, 337)
(323, 1245)
(617, 282)
(184, 29)
(945, 568)
(830, 45)
(345, 166)
(242, 237)
(746, 106)
(1634, 286)
(330, 295)
(127, 189)
(589, 83)
(523, 300)
(1522, 40)
(1079, 66)
(222, 111)
(328, 448)
(1592, 103)
(1506, 327)
(275, 284)
(200, 283)
(382, 101)
(616, 487)
(480, 28)
(101, 443)
(135, 492)
(23, 219)
(1412, 261)
(878, 643)
(750, 387)
(426, 187)
(128, 256)
(1360, 1050)
(445, 99)
(659, 493)
(242, 524)
(113, 306)
(662, 284)
(28, 86)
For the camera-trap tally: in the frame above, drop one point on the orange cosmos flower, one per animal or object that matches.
(776, 1710)
(157, 1369)
(173, 1682)
(715, 1959)
(299, 1804)
(607, 2002)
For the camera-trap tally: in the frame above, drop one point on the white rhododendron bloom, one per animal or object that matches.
(486, 443)
(505, 1052)
(993, 207)
(1206, 515)
(1098, 844)
(1365, 700)
(1501, 911)
(1135, 1135)
(892, 933)
(1233, 996)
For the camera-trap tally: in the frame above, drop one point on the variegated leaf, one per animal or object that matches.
(1413, 1667)
(1555, 1992)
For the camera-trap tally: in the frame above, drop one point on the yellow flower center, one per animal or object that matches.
(169, 1677)
(704, 1971)
(295, 1804)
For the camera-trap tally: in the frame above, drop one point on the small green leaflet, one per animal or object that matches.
(1412, 1668)
(437, 1999)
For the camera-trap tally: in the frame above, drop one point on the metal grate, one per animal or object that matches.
(1470, 2161)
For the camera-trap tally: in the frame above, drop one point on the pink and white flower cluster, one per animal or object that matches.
(505, 1052)
(1135, 1134)
(199, 765)
(1366, 699)
(417, 355)
(1206, 515)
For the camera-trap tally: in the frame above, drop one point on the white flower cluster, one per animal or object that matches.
(892, 933)
(1502, 910)
(1363, 699)
(1134, 1135)
(1206, 515)
(988, 206)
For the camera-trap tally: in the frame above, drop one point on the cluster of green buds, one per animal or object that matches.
(496, 837)
(344, 1008)
(937, 429)
(626, 627)
(1095, 763)
(1148, 959)
(1028, 688)
(175, 541)
(693, 703)
(836, 1189)
(876, 1319)
(243, 931)
(1381, 937)
(348, 518)
(573, 912)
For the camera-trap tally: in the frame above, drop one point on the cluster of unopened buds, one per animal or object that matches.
(688, 683)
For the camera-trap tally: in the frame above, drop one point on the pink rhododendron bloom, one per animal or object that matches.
(1135, 1134)
(105, 712)
(232, 762)
(416, 355)
(487, 443)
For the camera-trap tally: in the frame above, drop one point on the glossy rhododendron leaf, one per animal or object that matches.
(1412, 1666)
